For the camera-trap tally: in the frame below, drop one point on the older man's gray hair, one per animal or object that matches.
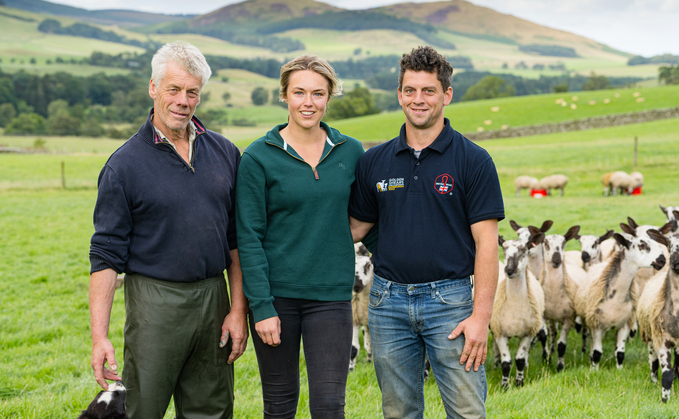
(183, 54)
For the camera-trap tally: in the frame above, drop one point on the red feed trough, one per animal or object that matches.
(538, 193)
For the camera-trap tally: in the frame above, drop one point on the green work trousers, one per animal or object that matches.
(172, 333)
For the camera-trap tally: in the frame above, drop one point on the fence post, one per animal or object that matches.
(63, 175)
(636, 146)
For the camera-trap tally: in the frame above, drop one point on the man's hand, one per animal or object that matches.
(475, 344)
(103, 352)
(235, 326)
(269, 330)
(102, 291)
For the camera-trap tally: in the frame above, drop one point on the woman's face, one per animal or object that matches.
(307, 97)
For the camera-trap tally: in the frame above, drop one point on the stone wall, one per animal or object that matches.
(578, 125)
(575, 125)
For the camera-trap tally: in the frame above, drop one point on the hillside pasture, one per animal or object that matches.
(521, 111)
(21, 40)
(44, 274)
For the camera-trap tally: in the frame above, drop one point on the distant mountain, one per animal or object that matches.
(463, 17)
(262, 11)
(128, 18)
(262, 19)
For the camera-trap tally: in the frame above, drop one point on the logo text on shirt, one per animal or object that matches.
(390, 185)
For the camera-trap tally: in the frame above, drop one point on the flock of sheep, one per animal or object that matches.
(618, 182)
(628, 281)
(621, 283)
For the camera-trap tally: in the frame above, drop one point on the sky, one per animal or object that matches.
(641, 27)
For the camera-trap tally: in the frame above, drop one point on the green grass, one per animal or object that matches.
(44, 274)
(519, 111)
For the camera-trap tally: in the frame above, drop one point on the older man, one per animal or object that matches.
(165, 216)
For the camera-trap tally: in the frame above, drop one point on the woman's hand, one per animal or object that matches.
(269, 330)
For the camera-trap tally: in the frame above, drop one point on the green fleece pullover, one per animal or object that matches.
(292, 223)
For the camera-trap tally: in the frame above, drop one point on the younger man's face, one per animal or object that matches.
(423, 99)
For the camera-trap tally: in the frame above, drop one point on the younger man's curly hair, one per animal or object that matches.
(426, 59)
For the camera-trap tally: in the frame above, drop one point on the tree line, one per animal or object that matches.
(549, 50)
(64, 104)
(357, 20)
(88, 31)
(656, 59)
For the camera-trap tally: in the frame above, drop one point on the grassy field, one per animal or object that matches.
(44, 273)
(521, 111)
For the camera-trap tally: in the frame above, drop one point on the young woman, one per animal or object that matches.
(295, 245)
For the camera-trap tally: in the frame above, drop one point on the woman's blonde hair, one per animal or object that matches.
(315, 64)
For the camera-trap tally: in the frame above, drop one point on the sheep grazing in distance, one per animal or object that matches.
(518, 308)
(554, 182)
(658, 318)
(525, 182)
(606, 181)
(560, 282)
(535, 254)
(671, 218)
(638, 177)
(623, 183)
(359, 303)
(609, 300)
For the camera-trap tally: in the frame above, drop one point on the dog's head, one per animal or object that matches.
(108, 404)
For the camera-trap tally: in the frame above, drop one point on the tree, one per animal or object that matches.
(489, 87)
(7, 113)
(596, 83)
(7, 91)
(26, 123)
(561, 88)
(385, 80)
(669, 75)
(260, 96)
(358, 102)
(226, 96)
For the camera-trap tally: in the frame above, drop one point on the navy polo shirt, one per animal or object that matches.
(425, 206)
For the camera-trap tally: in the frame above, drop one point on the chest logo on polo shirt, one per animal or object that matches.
(389, 185)
(444, 184)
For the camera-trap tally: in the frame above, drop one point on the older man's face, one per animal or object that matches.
(175, 99)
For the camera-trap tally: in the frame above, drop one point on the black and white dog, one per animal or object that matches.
(108, 404)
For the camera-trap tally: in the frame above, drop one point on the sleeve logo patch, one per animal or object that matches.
(444, 184)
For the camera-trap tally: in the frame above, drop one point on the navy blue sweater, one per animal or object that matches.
(158, 216)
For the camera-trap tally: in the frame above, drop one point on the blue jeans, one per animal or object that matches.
(409, 321)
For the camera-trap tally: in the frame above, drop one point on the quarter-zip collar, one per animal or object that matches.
(333, 139)
(150, 136)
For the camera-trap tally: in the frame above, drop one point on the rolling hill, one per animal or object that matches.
(283, 29)
(105, 17)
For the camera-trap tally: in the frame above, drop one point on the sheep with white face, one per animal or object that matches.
(610, 300)
(535, 257)
(560, 282)
(658, 317)
(518, 308)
